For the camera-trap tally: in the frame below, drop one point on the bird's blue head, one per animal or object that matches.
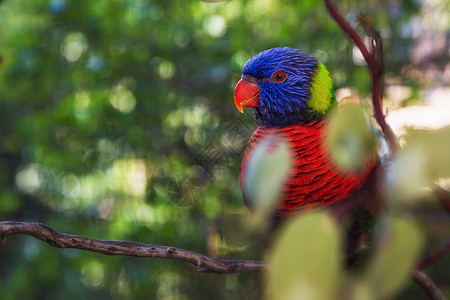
(285, 87)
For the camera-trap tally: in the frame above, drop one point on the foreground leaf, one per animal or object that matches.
(305, 261)
(350, 137)
(399, 249)
(266, 173)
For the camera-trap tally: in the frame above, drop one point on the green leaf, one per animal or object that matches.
(409, 176)
(358, 289)
(435, 145)
(398, 251)
(423, 160)
(266, 172)
(350, 137)
(305, 261)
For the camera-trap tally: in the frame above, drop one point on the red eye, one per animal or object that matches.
(279, 76)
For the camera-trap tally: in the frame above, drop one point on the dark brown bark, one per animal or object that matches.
(62, 240)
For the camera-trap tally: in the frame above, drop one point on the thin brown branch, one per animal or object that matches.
(443, 196)
(434, 255)
(202, 262)
(375, 61)
(62, 240)
(350, 32)
(428, 285)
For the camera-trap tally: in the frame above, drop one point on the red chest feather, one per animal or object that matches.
(314, 179)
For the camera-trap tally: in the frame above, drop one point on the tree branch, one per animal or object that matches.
(427, 285)
(203, 263)
(375, 61)
(443, 196)
(62, 240)
(434, 256)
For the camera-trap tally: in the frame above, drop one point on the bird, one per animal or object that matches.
(291, 94)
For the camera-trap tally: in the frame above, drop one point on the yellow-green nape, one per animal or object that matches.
(322, 96)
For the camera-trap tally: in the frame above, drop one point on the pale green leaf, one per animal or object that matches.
(398, 251)
(435, 144)
(267, 170)
(355, 288)
(424, 160)
(350, 137)
(409, 175)
(305, 261)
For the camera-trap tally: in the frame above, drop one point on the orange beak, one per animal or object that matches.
(246, 94)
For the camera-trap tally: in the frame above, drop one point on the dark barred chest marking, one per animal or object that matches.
(314, 180)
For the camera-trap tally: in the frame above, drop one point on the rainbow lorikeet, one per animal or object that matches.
(291, 94)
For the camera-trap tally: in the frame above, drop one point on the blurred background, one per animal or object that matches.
(117, 122)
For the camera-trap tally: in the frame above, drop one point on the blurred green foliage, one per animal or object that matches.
(106, 107)
(302, 266)
(267, 170)
(305, 267)
(351, 137)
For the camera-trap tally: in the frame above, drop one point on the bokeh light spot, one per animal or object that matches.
(166, 69)
(30, 178)
(122, 99)
(82, 105)
(215, 26)
(129, 175)
(92, 274)
(74, 46)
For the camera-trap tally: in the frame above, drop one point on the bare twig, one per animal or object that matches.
(443, 196)
(434, 255)
(375, 61)
(62, 240)
(427, 285)
(202, 262)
